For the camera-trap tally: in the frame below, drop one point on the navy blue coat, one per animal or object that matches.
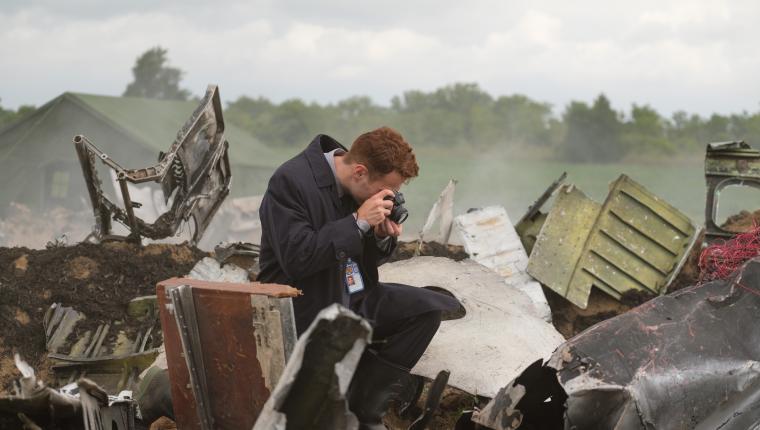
(307, 236)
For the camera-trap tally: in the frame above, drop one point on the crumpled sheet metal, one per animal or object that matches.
(687, 360)
(311, 393)
(110, 356)
(208, 269)
(499, 335)
(83, 405)
(194, 175)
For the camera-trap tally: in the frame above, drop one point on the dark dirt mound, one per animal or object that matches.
(454, 402)
(633, 298)
(406, 250)
(570, 320)
(742, 221)
(97, 280)
(689, 274)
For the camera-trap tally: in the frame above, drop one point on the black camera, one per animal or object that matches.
(398, 212)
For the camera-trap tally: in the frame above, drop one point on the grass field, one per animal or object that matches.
(497, 179)
(516, 184)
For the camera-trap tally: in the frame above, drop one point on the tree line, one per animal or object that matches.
(8, 116)
(463, 116)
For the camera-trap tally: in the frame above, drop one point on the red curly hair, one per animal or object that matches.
(384, 150)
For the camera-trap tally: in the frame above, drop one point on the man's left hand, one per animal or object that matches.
(388, 228)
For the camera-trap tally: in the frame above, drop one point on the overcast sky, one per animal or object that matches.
(698, 56)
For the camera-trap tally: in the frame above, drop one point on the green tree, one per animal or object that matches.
(646, 131)
(684, 131)
(522, 120)
(745, 127)
(717, 128)
(593, 133)
(451, 115)
(462, 114)
(250, 114)
(352, 116)
(290, 124)
(8, 116)
(154, 79)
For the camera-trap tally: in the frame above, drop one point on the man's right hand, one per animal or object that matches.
(376, 208)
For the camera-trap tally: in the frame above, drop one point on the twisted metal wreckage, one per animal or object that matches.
(688, 359)
(194, 175)
(685, 360)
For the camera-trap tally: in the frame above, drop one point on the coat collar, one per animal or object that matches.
(315, 154)
(323, 175)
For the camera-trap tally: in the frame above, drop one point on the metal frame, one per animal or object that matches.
(727, 164)
(185, 317)
(195, 171)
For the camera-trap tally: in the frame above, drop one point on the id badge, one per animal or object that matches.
(354, 281)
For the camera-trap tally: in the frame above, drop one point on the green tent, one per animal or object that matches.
(39, 166)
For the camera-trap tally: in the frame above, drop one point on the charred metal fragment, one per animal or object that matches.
(311, 393)
(687, 360)
(194, 174)
(727, 164)
(433, 400)
(108, 356)
(80, 405)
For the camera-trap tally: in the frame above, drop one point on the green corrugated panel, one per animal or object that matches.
(634, 241)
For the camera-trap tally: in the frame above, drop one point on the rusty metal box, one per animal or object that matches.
(226, 346)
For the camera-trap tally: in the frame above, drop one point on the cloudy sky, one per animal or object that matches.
(693, 55)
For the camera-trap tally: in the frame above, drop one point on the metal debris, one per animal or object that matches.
(432, 402)
(194, 175)
(207, 369)
(633, 242)
(491, 240)
(689, 359)
(242, 254)
(443, 210)
(225, 252)
(59, 322)
(529, 226)
(498, 335)
(83, 404)
(312, 391)
(209, 269)
(113, 365)
(726, 164)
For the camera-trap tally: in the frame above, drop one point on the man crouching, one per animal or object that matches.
(325, 229)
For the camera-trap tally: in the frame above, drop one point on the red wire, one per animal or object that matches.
(720, 260)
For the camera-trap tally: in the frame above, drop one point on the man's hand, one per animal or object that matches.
(388, 228)
(375, 209)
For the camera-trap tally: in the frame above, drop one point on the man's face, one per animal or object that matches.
(363, 187)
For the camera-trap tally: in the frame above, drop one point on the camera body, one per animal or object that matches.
(399, 213)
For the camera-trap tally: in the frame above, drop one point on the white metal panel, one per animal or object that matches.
(442, 209)
(499, 336)
(490, 239)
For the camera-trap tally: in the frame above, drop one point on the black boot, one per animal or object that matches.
(376, 383)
